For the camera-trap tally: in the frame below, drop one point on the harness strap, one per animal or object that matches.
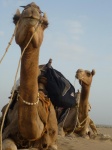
(80, 126)
(28, 103)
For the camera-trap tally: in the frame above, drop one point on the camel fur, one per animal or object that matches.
(91, 124)
(85, 80)
(34, 122)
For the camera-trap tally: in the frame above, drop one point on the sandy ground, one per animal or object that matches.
(73, 142)
(101, 142)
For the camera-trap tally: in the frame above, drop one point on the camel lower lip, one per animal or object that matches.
(76, 76)
(34, 18)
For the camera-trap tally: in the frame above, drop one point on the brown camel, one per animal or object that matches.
(65, 126)
(34, 122)
(85, 80)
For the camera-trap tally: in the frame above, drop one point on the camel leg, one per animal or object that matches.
(60, 130)
(8, 144)
(93, 127)
(53, 146)
(68, 125)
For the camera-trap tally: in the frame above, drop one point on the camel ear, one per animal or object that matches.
(93, 72)
(16, 16)
(45, 21)
(18, 12)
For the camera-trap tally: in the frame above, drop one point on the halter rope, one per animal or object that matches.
(9, 42)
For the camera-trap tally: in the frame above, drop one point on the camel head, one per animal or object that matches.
(85, 76)
(31, 20)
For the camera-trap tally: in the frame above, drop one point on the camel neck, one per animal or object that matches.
(85, 94)
(29, 93)
(83, 108)
(29, 73)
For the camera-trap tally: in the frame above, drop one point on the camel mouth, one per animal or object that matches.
(31, 13)
(28, 21)
(31, 17)
(77, 76)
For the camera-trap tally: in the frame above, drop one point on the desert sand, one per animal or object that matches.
(73, 142)
(101, 142)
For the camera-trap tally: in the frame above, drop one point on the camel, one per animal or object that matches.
(85, 80)
(65, 126)
(34, 122)
(68, 124)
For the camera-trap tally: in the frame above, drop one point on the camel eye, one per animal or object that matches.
(88, 74)
(45, 132)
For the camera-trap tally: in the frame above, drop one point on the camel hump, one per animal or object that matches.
(60, 90)
(49, 63)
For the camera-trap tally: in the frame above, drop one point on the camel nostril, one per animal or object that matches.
(44, 145)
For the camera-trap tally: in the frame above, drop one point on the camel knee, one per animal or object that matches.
(61, 131)
(8, 144)
(53, 147)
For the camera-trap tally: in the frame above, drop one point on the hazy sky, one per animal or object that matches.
(79, 36)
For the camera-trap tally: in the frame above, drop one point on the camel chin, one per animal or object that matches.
(22, 31)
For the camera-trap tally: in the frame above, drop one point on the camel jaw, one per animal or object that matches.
(81, 79)
(31, 13)
(79, 76)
